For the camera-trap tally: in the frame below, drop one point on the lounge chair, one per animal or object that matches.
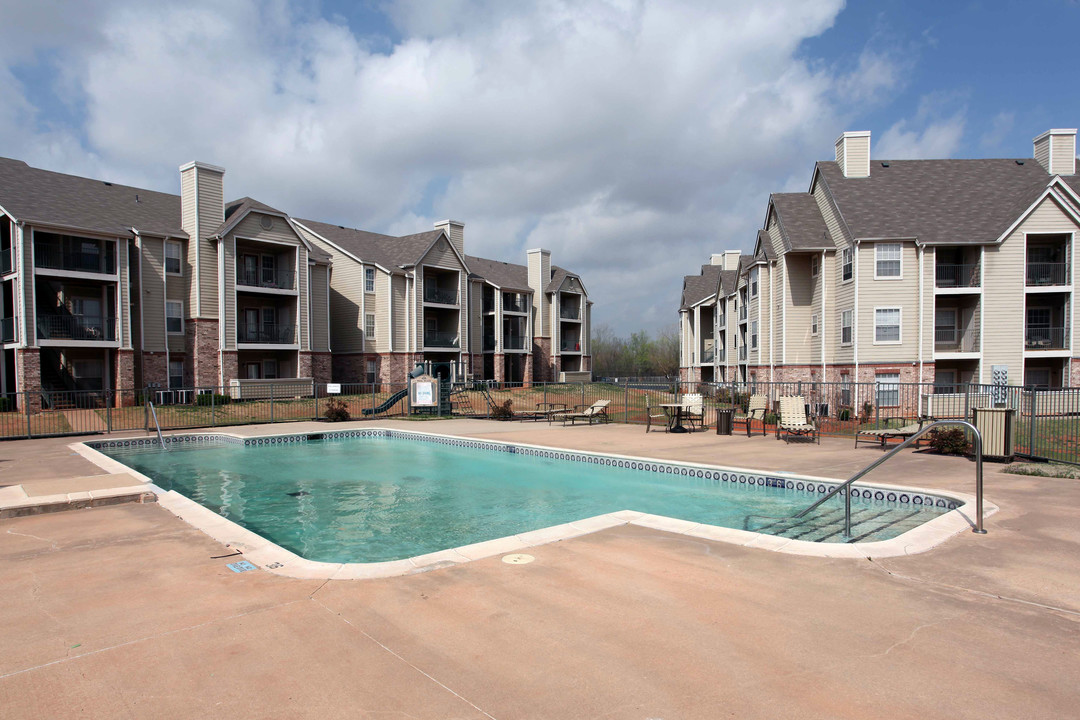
(597, 412)
(651, 417)
(895, 427)
(693, 410)
(793, 419)
(756, 411)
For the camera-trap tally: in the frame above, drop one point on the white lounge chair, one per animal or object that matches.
(793, 420)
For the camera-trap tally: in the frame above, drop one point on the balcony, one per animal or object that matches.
(742, 313)
(489, 305)
(7, 261)
(742, 353)
(951, 275)
(721, 355)
(514, 342)
(955, 340)
(440, 339)
(1046, 338)
(1042, 274)
(721, 320)
(76, 327)
(435, 294)
(570, 346)
(512, 303)
(7, 330)
(266, 278)
(708, 355)
(266, 333)
(55, 256)
(489, 343)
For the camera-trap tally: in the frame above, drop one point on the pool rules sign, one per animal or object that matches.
(425, 391)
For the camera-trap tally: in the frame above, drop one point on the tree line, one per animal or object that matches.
(640, 355)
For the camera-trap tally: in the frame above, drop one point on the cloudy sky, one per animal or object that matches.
(631, 138)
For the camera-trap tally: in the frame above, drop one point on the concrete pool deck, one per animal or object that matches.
(127, 611)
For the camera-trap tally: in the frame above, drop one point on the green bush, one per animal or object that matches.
(208, 399)
(336, 410)
(949, 442)
(845, 414)
(770, 418)
(867, 409)
(504, 411)
(5, 404)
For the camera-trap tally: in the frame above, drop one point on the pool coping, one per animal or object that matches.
(276, 559)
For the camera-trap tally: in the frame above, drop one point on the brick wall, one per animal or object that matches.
(230, 366)
(124, 374)
(500, 367)
(315, 365)
(202, 348)
(543, 368)
(155, 369)
(1075, 382)
(28, 373)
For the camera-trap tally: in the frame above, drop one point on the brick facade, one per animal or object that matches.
(202, 348)
(154, 369)
(543, 367)
(28, 373)
(230, 365)
(315, 365)
(1075, 381)
(500, 367)
(124, 376)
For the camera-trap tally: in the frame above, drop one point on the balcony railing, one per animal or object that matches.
(1046, 338)
(58, 257)
(514, 342)
(742, 313)
(273, 279)
(1043, 273)
(513, 305)
(708, 355)
(76, 327)
(440, 339)
(569, 312)
(7, 330)
(435, 294)
(7, 263)
(489, 306)
(570, 346)
(266, 333)
(721, 320)
(489, 343)
(956, 340)
(965, 275)
(721, 355)
(742, 353)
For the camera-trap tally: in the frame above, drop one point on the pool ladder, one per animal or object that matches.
(885, 458)
(153, 413)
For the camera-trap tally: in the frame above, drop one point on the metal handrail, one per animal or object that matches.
(937, 423)
(156, 425)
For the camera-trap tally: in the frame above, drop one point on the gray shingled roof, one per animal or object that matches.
(698, 287)
(388, 251)
(800, 221)
(508, 276)
(729, 281)
(937, 201)
(46, 197)
(765, 239)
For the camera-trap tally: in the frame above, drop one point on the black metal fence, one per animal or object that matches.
(1047, 421)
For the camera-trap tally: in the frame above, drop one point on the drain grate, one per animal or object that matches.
(239, 567)
(518, 559)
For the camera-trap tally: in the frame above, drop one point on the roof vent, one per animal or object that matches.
(107, 183)
(1019, 162)
(884, 164)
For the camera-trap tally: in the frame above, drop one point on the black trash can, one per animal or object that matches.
(725, 421)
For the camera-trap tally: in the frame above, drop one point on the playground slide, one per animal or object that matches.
(391, 401)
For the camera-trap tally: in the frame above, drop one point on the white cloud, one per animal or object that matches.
(631, 138)
(935, 131)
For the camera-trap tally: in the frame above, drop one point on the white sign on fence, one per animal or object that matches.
(333, 388)
(425, 393)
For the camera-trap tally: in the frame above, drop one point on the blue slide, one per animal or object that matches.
(393, 400)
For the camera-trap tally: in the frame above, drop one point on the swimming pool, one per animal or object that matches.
(370, 496)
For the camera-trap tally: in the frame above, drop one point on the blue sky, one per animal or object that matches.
(630, 138)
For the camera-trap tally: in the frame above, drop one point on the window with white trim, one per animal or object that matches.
(888, 389)
(887, 325)
(173, 265)
(753, 282)
(847, 265)
(369, 326)
(815, 265)
(369, 279)
(174, 317)
(846, 318)
(176, 373)
(372, 368)
(813, 325)
(887, 260)
(753, 334)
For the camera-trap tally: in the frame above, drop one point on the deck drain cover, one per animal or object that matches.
(518, 559)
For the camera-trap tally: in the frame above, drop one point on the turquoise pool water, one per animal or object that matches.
(380, 498)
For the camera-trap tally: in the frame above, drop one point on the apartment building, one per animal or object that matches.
(397, 301)
(936, 271)
(108, 287)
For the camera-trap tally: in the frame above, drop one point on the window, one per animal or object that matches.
(945, 330)
(887, 325)
(887, 260)
(845, 389)
(369, 326)
(815, 265)
(845, 327)
(172, 257)
(176, 373)
(813, 325)
(888, 389)
(945, 381)
(252, 370)
(1037, 377)
(372, 368)
(369, 279)
(174, 317)
(846, 264)
(753, 282)
(753, 335)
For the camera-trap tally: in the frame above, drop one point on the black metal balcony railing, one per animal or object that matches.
(1044, 273)
(76, 327)
(964, 275)
(435, 294)
(489, 343)
(742, 313)
(514, 342)
(956, 340)
(58, 257)
(571, 346)
(708, 355)
(7, 330)
(569, 312)
(512, 304)
(7, 263)
(273, 279)
(1046, 338)
(441, 339)
(742, 353)
(268, 333)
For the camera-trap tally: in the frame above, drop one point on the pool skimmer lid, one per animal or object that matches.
(518, 559)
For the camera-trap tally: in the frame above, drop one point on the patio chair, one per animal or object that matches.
(651, 417)
(597, 412)
(793, 420)
(694, 410)
(759, 404)
(895, 427)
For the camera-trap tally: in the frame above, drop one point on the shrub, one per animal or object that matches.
(209, 399)
(336, 410)
(867, 409)
(949, 442)
(6, 404)
(845, 414)
(770, 418)
(504, 411)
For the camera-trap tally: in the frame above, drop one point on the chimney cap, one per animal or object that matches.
(450, 222)
(852, 134)
(201, 166)
(1055, 131)
(538, 250)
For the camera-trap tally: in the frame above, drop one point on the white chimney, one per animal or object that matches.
(455, 231)
(1055, 150)
(716, 259)
(539, 277)
(202, 211)
(853, 153)
(731, 260)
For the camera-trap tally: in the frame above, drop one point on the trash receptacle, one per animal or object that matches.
(997, 427)
(725, 421)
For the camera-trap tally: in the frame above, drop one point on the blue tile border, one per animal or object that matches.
(877, 496)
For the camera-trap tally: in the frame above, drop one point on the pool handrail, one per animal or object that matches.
(937, 423)
(157, 426)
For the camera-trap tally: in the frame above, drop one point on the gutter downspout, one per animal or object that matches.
(920, 252)
(855, 318)
(824, 304)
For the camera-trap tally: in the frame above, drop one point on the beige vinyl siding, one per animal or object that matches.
(929, 304)
(754, 356)
(397, 284)
(346, 300)
(586, 330)
(301, 307)
(320, 334)
(539, 276)
(824, 296)
(776, 275)
(211, 215)
(228, 256)
(476, 320)
(417, 302)
(799, 306)
(123, 302)
(441, 255)
(1042, 152)
(382, 314)
(187, 221)
(1063, 152)
(841, 293)
(773, 228)
(152, 302)
(902, 293)
(857, 157)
